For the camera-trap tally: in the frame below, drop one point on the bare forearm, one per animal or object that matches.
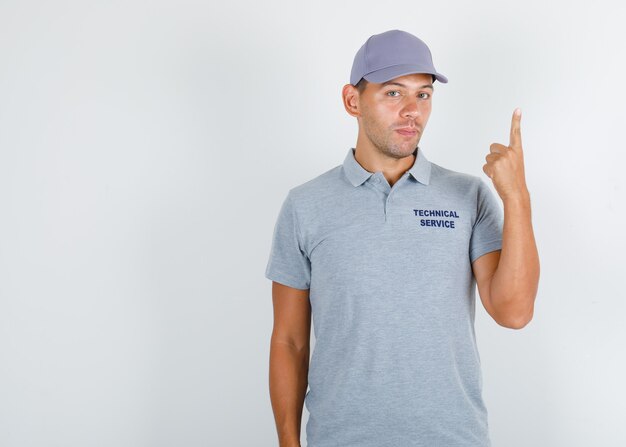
(516, 279)
(288, 382)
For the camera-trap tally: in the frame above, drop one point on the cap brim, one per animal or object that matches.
(395, 71)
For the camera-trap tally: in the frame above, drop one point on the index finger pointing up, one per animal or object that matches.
(515, 140)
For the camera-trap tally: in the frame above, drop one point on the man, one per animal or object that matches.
(384, 252)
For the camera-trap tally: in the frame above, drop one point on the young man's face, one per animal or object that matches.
(402, 102)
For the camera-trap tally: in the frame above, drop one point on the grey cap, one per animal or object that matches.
(391, 54)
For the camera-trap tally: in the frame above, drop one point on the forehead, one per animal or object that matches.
(414, 80)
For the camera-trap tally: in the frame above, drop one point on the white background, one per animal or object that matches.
(146, 147)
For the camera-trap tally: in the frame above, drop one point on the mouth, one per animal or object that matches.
(407, 132)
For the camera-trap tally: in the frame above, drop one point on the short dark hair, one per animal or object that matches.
(360, 86)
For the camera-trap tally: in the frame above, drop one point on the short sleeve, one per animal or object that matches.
(487, 229)
(288, 263)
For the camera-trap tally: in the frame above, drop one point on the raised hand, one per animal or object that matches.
(505, 164)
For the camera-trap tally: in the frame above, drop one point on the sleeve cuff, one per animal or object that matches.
(286, 279)
(485, 248)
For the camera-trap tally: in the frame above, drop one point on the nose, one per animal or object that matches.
(411, 109)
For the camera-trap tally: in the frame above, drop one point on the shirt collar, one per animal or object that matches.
(357, 174)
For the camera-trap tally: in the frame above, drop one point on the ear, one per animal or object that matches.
(350, 96)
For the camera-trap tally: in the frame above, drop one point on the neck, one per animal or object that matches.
(393, 168)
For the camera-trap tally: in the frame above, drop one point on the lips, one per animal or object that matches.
(408, 131)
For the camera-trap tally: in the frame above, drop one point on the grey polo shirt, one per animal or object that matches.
(392, 294)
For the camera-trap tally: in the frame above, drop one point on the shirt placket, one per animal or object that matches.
(386, 193)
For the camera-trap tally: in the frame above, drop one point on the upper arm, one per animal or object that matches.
(292, 315)
(484, 267)
(288, 263)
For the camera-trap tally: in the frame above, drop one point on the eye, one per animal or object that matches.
(392, 91)
(424, 93)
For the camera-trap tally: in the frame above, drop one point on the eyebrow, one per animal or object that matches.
(430, 86)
